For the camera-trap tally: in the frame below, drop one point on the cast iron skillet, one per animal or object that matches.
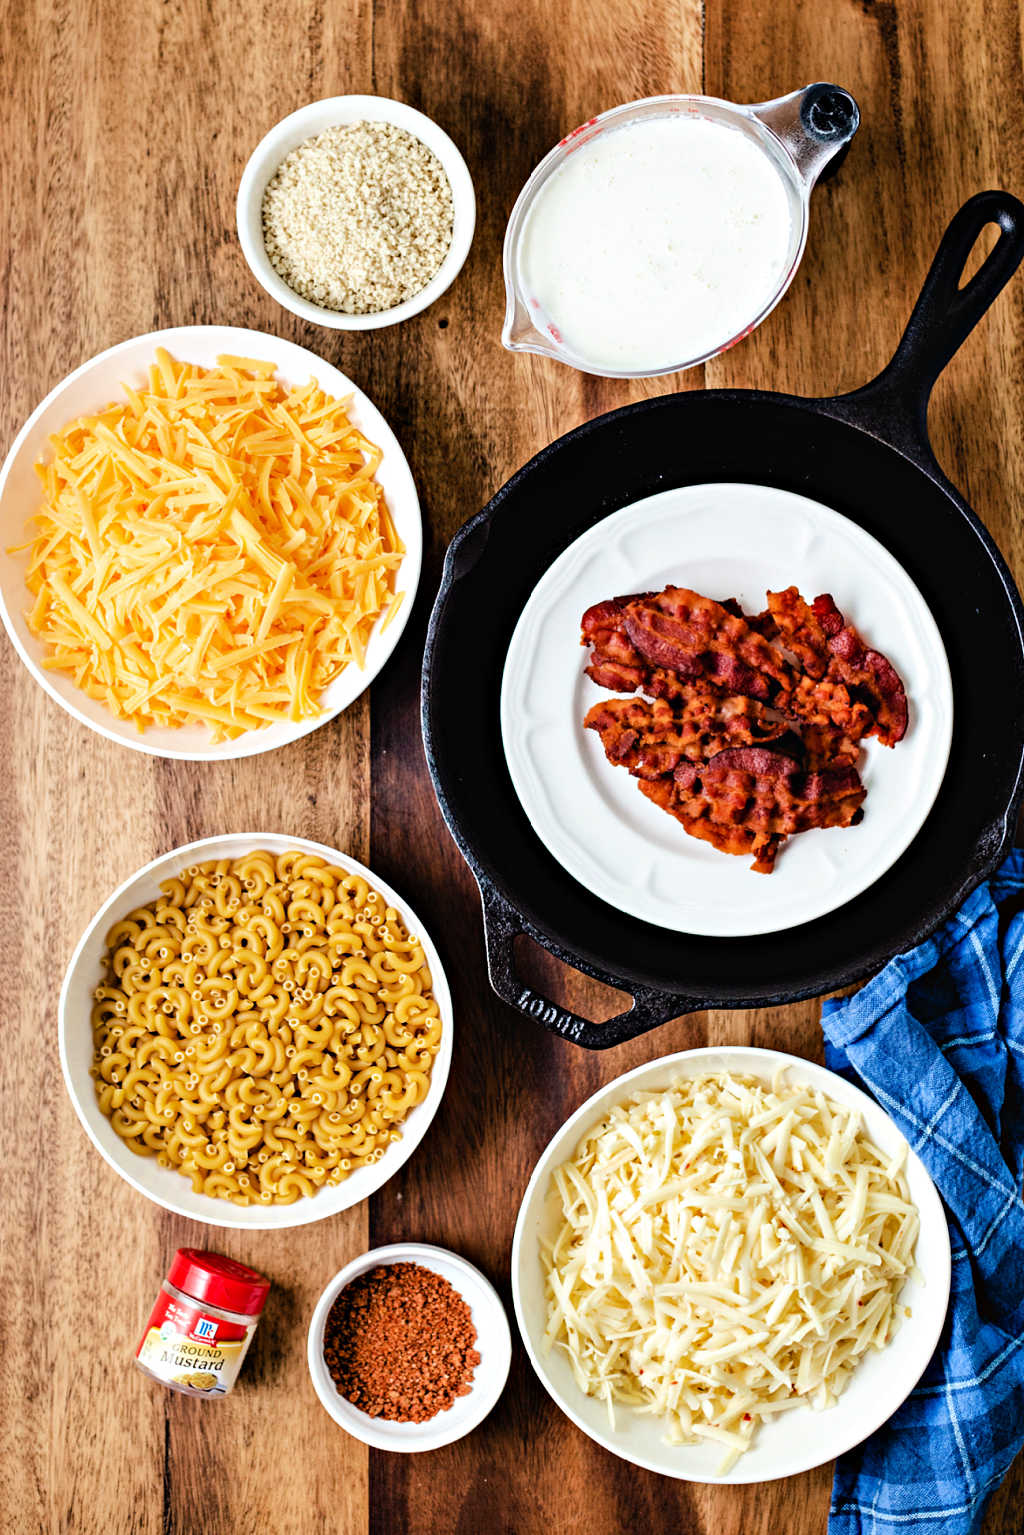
(866, 454)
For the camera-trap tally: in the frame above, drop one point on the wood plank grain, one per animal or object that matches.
(932, 83)
(127, 126)
(131, 125)
(527, 1469)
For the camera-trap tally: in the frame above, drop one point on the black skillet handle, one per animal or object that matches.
(895, 404)
(650, 1008)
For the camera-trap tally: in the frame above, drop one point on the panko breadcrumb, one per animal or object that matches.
(358, 218)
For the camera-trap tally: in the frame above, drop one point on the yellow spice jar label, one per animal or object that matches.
(211, 1368)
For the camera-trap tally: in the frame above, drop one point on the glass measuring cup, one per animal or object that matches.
(799, 133)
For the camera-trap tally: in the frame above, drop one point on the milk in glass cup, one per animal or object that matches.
(662, 232)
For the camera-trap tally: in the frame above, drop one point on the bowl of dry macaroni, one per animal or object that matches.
(210, 542)
(729, 1266)
(255, 1031)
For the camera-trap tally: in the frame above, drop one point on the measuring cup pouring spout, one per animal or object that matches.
(519, 333)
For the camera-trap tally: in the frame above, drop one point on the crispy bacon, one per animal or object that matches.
(775, 794)
(689, 634)
(827, 745)
(614, 663)
(828, 704)
(695, 818)
(655, 641)
(749, 728)
(867, 673)
(790, 620)
(844, 682)
(748, 800)
(652, 738)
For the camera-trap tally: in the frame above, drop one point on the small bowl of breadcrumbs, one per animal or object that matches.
(356, 212)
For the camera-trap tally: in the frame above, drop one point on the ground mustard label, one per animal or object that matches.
(185, 1346)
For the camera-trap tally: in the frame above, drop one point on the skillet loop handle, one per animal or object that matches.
(946, 313)
(650, 1008)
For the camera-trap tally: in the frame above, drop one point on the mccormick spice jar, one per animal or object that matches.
(202, 1323)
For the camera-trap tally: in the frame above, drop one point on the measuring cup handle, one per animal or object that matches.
(814, 124)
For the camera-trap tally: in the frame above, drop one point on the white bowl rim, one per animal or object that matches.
(387, 109)
(303, 1212)
(251, 743)
(616, 1091)
(421, 1437)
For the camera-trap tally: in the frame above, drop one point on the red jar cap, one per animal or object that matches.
(218, 1280)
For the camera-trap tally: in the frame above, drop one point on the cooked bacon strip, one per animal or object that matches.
(681, 630)
(614, 663)
(652, 738)
(828, 704)
(819, 696)
(791, 620)
(718, 686)
(744, 799)
(655, 641)
(783, 797)
(695, 818)
(853, 687)
(864, 671)
(749, 799)
(827, 745)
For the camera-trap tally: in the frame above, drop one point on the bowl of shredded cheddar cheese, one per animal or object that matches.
(210, 542)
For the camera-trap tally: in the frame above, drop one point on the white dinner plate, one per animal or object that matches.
(92, 387)
(724, 541)
(795, 1441)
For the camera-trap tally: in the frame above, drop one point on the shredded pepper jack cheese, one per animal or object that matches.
(215, 549)
(725, 1252)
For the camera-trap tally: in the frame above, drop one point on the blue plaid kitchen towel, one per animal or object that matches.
(938, 1039)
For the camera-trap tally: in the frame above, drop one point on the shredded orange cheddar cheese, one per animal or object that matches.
(216, 548)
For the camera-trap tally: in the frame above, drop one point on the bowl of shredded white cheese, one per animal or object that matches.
(356, 212)
(729, 1266)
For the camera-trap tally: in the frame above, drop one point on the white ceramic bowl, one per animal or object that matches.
(95, 385)
(163, 1185)
(493, 1344)
(795, 1441)
(303, 124)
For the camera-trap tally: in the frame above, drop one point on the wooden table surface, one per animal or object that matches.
(126, 127)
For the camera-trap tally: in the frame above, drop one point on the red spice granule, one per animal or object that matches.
(398, 1343)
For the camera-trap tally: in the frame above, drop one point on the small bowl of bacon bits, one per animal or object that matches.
(409, 1347)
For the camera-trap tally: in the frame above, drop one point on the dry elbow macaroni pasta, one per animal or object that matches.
(264, 1027)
